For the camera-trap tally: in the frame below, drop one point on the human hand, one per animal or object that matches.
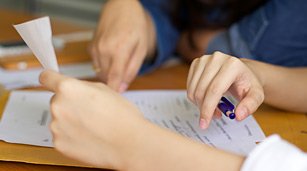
(212, 75)
(90, 122)
(124, 37)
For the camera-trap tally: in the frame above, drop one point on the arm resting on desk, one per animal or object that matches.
(284, 88)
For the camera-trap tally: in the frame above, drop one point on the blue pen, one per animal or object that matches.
(227, 108)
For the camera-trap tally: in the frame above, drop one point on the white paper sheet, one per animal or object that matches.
(38, 36)
(172, 109)
(25, 78)
(26, 117)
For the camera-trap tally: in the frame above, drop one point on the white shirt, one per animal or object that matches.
(275, 154)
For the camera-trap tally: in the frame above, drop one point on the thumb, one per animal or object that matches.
(52, 80)
(249, 104)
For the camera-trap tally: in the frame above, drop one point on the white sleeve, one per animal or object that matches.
(275, 154)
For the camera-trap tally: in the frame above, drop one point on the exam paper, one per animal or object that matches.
(38, 36)
(172, 110)
(26, 118)
(25, 78)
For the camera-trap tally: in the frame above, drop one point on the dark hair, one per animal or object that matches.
(195, 14)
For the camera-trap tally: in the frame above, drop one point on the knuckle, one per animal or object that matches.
(198, 96)
(64, 85)
(195, 61)
(234, 61)
(214, 89)
(203, 58)
(103, 48)
(55, 110)
(218, 53)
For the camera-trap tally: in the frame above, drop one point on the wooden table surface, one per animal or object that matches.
(291, 126)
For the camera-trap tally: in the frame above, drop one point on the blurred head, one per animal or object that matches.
(196, 14)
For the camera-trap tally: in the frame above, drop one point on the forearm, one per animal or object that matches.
(155, 148)
(284, 88)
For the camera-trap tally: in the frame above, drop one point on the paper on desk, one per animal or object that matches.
(25, 78)
(172, 109)
(28, 123)
(26, 119)
(38, 36)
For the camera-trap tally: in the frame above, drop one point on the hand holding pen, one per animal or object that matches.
(211, 76)
(227, 108)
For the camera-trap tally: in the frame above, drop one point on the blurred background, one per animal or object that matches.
(73, 23)
(84, 12)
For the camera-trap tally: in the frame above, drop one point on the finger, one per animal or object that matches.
(118, 66)
(103, 60)
(191, 72)
(199, 67)
(93, 51)
(104, 67)
(133, 67)
(53, 109)
(116, 71)
(212, 67)
(218, 86)
(217, 113)
(52, 80)
(249, 104)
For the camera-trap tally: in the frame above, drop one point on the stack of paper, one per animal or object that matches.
(28, 123)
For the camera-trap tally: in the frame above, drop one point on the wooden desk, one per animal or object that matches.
(72, 52)
(291, 126)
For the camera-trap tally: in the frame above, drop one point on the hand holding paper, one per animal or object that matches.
(38, 36)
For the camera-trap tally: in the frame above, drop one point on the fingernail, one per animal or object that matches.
(123, 87)
(202, 123)
(241, 113)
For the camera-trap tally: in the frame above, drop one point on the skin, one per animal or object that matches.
(95, 125)
(212, 75)
(251, 82)
(123, 39)
(84, 130)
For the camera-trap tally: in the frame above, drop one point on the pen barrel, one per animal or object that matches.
(228, 103)
(223, 107)
(226, 110)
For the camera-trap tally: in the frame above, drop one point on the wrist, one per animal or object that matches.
(256, 68)
(155, 148)
(129, 142)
